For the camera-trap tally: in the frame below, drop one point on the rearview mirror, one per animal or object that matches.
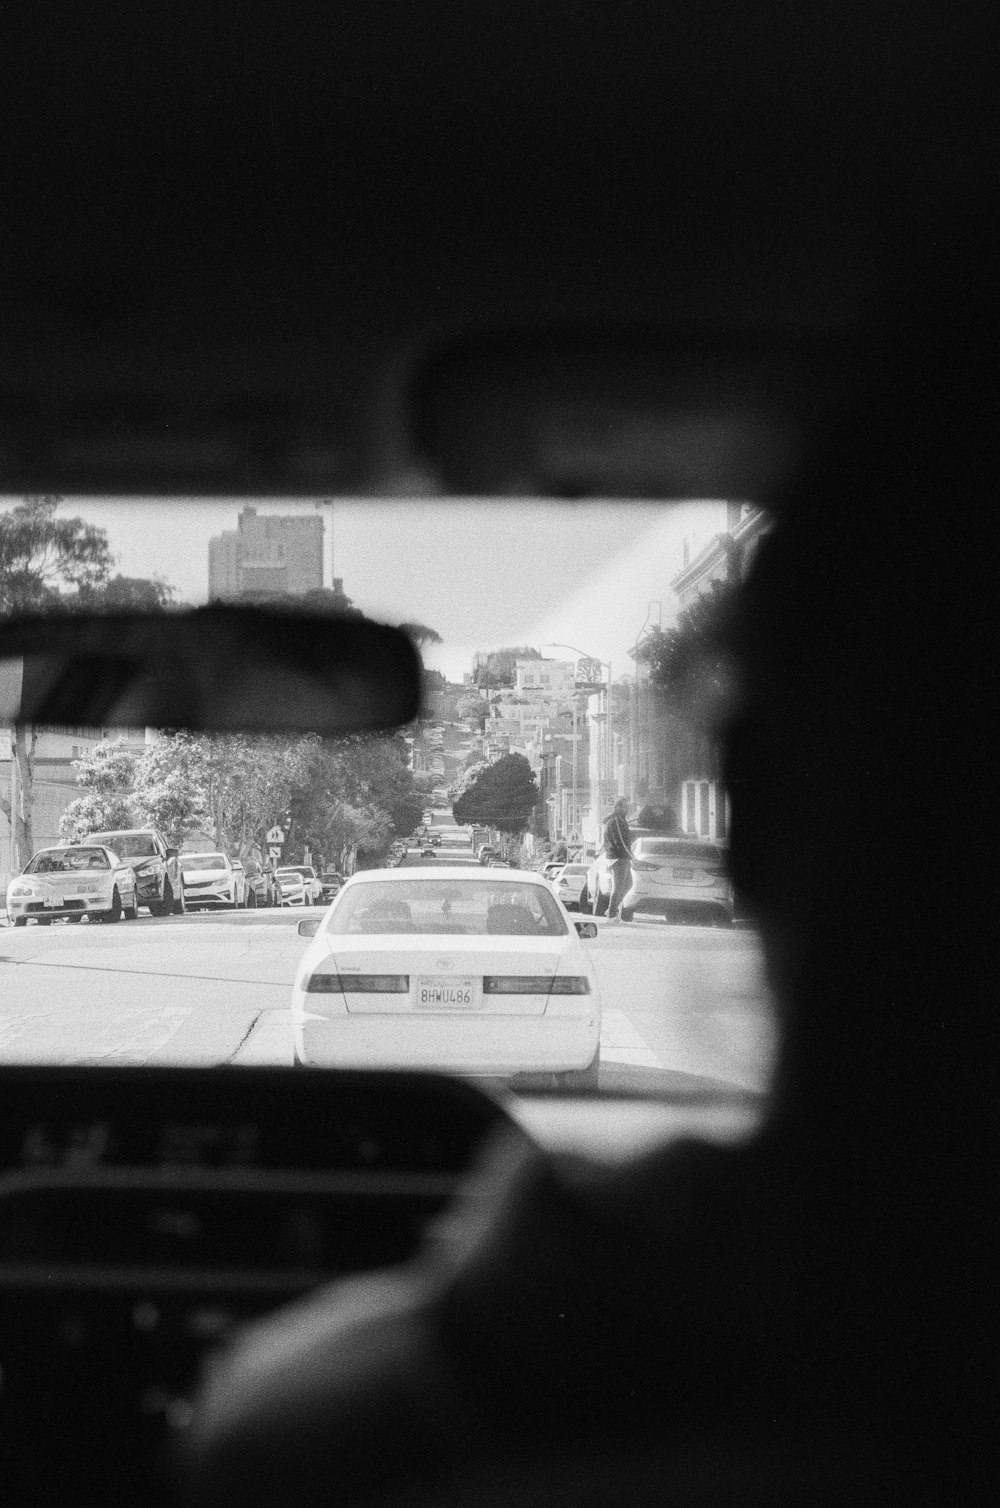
(586, 929)
(217, 669)
(309, 926)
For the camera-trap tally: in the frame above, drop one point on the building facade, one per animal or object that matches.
(266, 555)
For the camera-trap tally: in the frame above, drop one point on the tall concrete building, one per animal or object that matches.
(267, 554)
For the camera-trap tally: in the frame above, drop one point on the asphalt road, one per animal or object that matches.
(214, 989)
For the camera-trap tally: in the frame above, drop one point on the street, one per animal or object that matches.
(212, 989)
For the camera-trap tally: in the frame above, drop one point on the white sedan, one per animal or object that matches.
(567, 882)
(208, 879)
(474, 972)
(74, 881)
(291, 888)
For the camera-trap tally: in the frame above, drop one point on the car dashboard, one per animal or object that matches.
(145, 1215)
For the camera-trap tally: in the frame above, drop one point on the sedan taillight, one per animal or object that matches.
(357, 984)
(536, 984)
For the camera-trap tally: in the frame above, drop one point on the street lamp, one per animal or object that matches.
(607, 773)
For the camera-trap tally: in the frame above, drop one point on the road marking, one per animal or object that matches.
(621, 1043)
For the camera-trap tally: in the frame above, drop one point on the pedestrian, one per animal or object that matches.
(618, 849)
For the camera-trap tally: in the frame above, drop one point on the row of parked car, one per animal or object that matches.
(678, 877)
(109, 875)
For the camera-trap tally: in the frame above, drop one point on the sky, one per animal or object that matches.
(483, 573)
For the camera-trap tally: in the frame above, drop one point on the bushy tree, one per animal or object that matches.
(368, 773)
(690, 662)
(128, 594)
(503, 795)
(42, 556)
(108, 778)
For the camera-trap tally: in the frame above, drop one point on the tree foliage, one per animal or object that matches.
(690, 662)
(366, 775)
(42, 556)
(503, 795)
(129, 594)
(108, 777)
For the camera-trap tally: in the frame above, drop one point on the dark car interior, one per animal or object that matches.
(562, 250)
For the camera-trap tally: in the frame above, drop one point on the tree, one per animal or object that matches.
(690, 662)
(129, 594)
(368, 774)
(108, 777)
(18, 810)
(421, 634)
(42, 555)
(503, 795)
(170, 786)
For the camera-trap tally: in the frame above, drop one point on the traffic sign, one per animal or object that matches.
(276, 836)
(274, 851)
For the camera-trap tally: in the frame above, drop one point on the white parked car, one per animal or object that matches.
(463, 970)
(311, 881)
(291, 888)
(567, 883)
(680, 878)
(208, 879)
(73, 881)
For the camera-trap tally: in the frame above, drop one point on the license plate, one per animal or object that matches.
(683, 874)
(444, 994)
(55, 902)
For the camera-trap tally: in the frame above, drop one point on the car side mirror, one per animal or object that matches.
(586, 929)
(172, 853)
(309, 926)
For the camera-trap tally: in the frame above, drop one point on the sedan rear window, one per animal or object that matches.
(67, 861)
(474, 908)
(672, 848)
(202, 861)
(130, 845)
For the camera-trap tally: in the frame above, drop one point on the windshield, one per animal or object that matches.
(471, 908)
(697, 853)
(129, 845)
(569, 662)
(67, 861)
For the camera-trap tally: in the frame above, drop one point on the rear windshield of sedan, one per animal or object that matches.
(677, 848)
(202, 861)
(473, 908)
(573, 869)
(67, 861)
(130, 845)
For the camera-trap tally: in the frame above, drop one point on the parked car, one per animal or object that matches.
(154, 863)
(242, 885)
(332, 882)
(312, 881)
(486, 853)
(427, 852)
(261, 888)
(291, 888)
(209, 880)
(566, 883)
(73, 881)
(682, 878)
(434, 839)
